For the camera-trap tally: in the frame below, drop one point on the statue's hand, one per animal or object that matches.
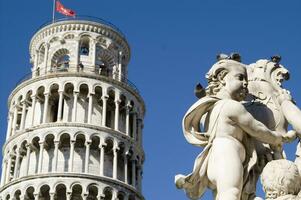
(284, 95)
(289, 136)
(278, 140)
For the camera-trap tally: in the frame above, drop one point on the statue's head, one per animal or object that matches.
(229, 76)
(268, 71)
(280, 178)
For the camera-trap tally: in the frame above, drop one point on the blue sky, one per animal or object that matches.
(173, 45)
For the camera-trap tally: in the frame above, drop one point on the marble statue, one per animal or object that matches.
(265, 79)
(225, 131)
(281, 180)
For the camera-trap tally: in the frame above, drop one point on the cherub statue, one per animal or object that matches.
(227, 126)
(281, 180)
(272, 105)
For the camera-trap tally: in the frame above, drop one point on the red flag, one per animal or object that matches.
(65, 11)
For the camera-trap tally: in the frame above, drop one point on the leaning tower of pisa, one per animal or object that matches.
(75, 123)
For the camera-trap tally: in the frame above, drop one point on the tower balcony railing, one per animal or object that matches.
(65, 69)
(85, 18)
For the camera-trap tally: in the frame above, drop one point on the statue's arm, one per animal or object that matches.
(250, 125)
(292, 114)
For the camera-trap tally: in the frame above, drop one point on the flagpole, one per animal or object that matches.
(53, 11)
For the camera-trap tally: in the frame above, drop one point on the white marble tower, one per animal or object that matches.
(75, 124)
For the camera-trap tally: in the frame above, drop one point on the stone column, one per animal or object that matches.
(15, 119)
(104, 109)
(120, 66)
(114, 195)
(32, 69)
(133, 172)
(127, 120)
(115, 162)
(125, 159)
(90, 106)
(4, 169)
(46, 58)
(36, 60)
(94, 43)
(60, 106)
(27, 159)
(72, 143)
(40, 162)
(9, 162)
(134, 126)
(9, 127)
(126, 197)
(117, 113)
(114, 72)
(101, 159)
(17, 164)
(68, 194)
(84, 196)
(46, 105)
(33, 106)
(23, 115)
(88, 143)
(51, 194)
(22, 197)
(56, 151)
(77, 55)
(74, 113)
(36, 196)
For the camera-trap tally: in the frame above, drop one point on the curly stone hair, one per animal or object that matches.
(217, 73)
(282, 177)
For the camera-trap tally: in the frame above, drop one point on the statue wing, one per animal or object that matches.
(191, 121)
